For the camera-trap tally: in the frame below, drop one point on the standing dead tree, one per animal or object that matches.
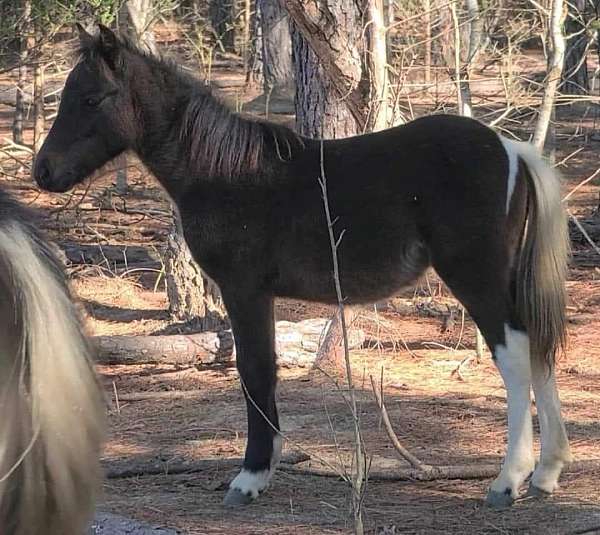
(23, 33)
(278, 72)
(556, 54)
(135, 20)
(575, 74)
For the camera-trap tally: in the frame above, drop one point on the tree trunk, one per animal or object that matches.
(376, 66)
(428, 35)
(467, 45)
(222, 21)
(340, 60)
(192, 297)
(575, 74)
(23, 32)
(38, 98)
(473, 48)
(327, 37)
(556, 48)
(246, 38)
(330, 355)
(136, 19)
(278, 74)
(254, 71)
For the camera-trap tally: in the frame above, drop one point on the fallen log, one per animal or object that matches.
(161, 395)
(297, 344)
(125, 469)
(433, 473)
(198, 348)
(109, 255)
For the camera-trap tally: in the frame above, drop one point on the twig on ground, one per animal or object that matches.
(457, 371)
(404, 453)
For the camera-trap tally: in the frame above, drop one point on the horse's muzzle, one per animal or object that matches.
(47, 179)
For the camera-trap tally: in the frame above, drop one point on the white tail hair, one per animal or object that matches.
(52, 410)
(543, 261)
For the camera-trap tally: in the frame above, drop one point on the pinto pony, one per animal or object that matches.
(52, 413)
(442, 191)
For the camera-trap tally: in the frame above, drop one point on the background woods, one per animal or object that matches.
(327, 68)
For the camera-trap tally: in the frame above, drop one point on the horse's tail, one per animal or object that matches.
(543, 261)
(52, 410)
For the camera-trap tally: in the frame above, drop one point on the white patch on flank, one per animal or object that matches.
(512, 151)
(512, 359)
(253, 483)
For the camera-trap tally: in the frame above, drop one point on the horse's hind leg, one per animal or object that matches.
(555, 444)
(252, 321)
(485, 294)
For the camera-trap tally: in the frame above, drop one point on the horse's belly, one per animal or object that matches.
(367, 276)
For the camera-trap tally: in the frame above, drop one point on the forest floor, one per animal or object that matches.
(438, 416)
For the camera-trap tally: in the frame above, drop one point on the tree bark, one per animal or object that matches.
(254, 71)
(327, 38)
(278, 74)
(192, 297)
(575, 74)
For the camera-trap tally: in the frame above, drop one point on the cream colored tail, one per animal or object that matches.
(52, 412)
(543, 263)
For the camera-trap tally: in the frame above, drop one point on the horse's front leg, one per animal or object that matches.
(253, 328)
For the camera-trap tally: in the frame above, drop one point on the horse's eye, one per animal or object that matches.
(92, 102)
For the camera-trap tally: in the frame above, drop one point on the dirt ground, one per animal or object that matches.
(439, 417)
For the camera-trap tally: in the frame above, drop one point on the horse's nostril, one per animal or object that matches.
(42, 172)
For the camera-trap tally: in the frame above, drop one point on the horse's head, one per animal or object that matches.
(95, 119)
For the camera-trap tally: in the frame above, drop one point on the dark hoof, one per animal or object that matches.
(235, 498)
(536, 492)
(499, 500)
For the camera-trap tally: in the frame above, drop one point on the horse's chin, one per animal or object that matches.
(60, 185)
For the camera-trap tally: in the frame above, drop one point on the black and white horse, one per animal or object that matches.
(442, 191)
(52, 410)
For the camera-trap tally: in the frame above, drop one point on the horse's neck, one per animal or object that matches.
(161, 108)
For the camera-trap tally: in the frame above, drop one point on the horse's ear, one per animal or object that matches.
(109, 46)
(86, 40)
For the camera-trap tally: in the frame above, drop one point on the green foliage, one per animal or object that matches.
(103, 11)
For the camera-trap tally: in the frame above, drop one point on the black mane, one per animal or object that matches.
(226, 144)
